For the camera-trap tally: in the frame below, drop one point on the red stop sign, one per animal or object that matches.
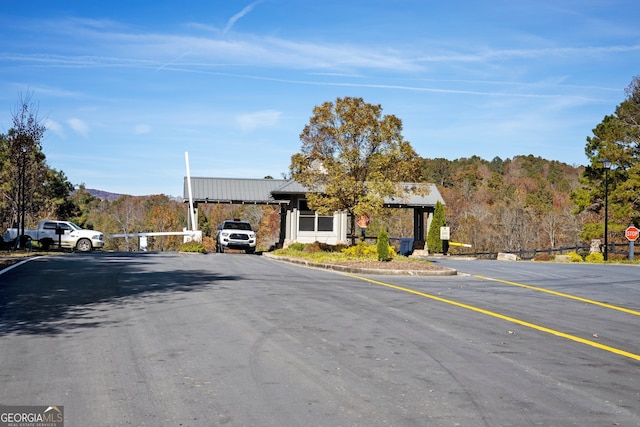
(631, 233)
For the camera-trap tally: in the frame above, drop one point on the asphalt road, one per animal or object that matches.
(165, 339)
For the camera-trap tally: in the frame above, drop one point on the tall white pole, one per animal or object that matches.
(192, 213)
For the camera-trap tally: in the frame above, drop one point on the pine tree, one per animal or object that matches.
(434, 243)
(383, 246)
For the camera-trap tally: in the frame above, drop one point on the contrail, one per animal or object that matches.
(240, 14)
(172, 61)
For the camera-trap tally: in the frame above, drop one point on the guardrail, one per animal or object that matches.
(153, 233)
(617, 248)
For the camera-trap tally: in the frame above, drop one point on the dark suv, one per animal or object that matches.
(235, 234)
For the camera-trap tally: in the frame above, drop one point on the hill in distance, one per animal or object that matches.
(103, 195)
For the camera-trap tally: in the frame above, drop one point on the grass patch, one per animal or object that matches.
(193, 246)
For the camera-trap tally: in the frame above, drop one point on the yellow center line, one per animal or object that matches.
(502, 317)
(561, 294)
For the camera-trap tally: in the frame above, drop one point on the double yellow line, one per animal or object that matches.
(518, 321)
(561, 294)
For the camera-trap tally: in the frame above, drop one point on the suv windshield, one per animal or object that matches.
(237, 226)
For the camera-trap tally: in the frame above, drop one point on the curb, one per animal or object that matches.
(356, 270)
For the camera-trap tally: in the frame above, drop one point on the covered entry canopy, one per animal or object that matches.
(279, 191)
(234, 190)
(289, 193)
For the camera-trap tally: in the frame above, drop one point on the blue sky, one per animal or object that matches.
(127, 87)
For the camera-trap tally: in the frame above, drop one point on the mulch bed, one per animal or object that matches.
(390, 265)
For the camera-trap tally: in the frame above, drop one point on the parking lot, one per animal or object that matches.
(235, 339)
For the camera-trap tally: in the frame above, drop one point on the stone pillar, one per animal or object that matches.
(596, 244)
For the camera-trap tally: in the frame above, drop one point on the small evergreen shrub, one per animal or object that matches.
(595, 257)
(434, 244)
(382, 246)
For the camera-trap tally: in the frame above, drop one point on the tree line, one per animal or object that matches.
(512, 204)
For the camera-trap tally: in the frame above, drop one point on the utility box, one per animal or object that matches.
(406, 246)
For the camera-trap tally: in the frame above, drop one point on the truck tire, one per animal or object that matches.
(46, 244)
(84, 245)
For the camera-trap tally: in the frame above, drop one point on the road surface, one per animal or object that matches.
(166, 339)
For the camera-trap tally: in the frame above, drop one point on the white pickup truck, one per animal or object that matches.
(50, 232)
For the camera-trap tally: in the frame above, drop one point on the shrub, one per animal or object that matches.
(296, 246)
(339, 247)
(434, 244)
(382, 246)
(193, 247)
(616, 257)
(209, 243)
(313, 248)
(575, 257)
(594, 257)
(361, 250)
(542, 257)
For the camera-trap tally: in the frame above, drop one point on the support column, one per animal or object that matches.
(283, 226)
(418, 228)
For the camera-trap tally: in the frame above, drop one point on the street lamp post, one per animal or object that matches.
(606, 164)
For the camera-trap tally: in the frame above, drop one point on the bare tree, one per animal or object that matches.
(24, 168)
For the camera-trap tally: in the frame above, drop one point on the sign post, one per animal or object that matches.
(631, 233)
(59, 233)
(444, 236)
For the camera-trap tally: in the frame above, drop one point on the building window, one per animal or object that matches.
(307, 217)
(311, 221)
(325, 223)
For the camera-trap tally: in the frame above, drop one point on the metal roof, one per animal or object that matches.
(233, 190)
(278, 191)
(414, 199)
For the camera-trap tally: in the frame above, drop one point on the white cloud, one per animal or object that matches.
(141, 129)
(54, 127)
(259, 119)
(79, 126)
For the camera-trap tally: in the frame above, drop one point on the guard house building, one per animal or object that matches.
(298, 223)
